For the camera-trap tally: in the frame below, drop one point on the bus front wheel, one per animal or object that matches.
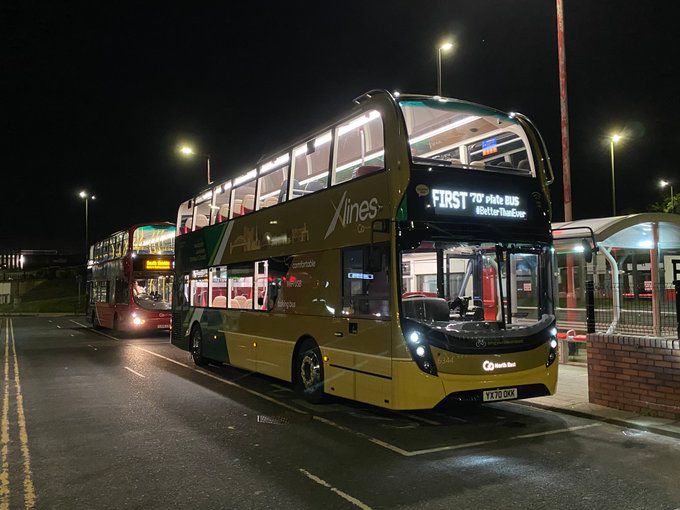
(309, 372)
(197, 346)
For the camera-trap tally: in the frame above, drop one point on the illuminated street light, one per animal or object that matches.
(445, 47)
(615, 138)
(663, 183)
(85, 195)
(188, 151)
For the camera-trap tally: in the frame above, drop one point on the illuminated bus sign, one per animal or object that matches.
(475, 204)
(157, 264)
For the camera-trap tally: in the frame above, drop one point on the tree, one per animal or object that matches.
(665, 205)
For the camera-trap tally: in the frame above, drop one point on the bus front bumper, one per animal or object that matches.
(414, 389)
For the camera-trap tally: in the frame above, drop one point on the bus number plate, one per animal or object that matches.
(495, 395)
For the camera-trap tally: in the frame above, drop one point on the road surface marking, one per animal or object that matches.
(376, 441)
(58, 326)
(134, 372)
(558, 431)
(91, 346)
(491, 441)
(4, 476)
(29, 488)
(221, 379)
(420, 418)
(340, 493)
(373, 440)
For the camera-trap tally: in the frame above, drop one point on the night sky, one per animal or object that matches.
(97, 95)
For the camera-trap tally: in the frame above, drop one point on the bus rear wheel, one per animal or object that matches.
(308, 374)
(196, 347)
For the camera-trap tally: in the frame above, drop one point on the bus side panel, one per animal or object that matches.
(214, 337)
(105, 314)
(413, 388)
(242, 350)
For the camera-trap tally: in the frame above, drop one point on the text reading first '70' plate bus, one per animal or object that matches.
(399, 256)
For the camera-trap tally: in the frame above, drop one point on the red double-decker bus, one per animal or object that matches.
(130, 278)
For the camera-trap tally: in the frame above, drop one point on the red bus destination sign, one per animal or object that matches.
(463, 202)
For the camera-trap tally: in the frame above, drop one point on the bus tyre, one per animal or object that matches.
(309, 372)
(196, 347)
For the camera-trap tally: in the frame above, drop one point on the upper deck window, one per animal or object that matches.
(311, 162)
(272, 186)
(154, 239)
(465, 135)
(360, 147)
(220, 207)
(243, 195)
(202, 210)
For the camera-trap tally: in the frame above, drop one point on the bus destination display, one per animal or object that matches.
(475, 204)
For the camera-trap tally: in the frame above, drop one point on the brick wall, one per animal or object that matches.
(635, 374)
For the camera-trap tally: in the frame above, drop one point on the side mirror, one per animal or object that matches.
(587, 250)
(381, 226)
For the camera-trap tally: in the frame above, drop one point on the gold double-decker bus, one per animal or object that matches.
(400, 256)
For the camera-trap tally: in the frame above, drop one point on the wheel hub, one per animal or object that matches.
(310, 370)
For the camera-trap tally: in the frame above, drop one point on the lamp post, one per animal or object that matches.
(188, 151)
(663, 183)
(442, 48)
(613, 140)
(87, 197)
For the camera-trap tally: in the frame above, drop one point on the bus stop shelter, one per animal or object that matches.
(633, 273)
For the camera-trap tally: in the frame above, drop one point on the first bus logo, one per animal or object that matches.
(348, 212)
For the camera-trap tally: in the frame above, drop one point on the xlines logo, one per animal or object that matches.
(348, 212)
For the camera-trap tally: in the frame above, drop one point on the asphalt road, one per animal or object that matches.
(91, 421)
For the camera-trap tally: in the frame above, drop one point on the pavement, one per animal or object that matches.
(93, 421)
(572, 398)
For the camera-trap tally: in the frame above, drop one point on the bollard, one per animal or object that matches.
(590, 306)
(677, 305)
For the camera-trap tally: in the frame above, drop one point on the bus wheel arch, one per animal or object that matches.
(307, 373)
(196, 344)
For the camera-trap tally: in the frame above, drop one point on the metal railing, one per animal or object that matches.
(652, 311)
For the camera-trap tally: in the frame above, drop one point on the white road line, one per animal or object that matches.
(134, 372)
(225, 381)
(91, 346)
(420, 418)
(373, 440)
(340, 493)
(558, 431)
(58, 326)
(480, 443)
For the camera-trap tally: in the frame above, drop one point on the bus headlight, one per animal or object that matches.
(417, 344)
(552, 347)
(553, 344)
(137, 321)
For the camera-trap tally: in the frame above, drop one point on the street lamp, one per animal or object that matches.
(663, 183)
(85, 195)
(188, 151)
(445, 47)
(612, 140)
